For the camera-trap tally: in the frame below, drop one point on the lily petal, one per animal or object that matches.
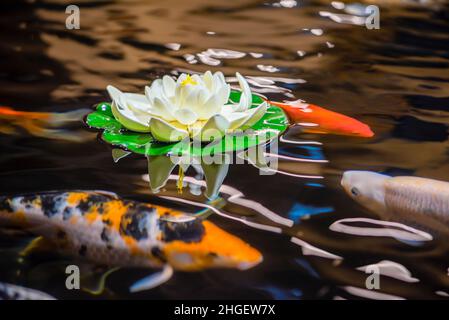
(208, 79)
(246, 97)
(124, 114)
(209, 108)
(223, 94)
(254, 115)
(169, 86)
(114, 93)
(138, 103)
(165, 132)
(162, 108)
(215, 128)
(129, 120)
(236, 119)
(186, 116)
(156, 90)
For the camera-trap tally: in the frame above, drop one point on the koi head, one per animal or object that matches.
(207, 246)
(367, 188)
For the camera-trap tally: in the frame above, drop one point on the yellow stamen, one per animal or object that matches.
(180, 180)
(188, 80)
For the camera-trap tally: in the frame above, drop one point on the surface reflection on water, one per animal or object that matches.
(394, 79)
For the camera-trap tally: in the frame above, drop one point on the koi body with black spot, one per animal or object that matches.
(108, 230)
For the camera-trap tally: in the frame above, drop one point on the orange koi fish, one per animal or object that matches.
(101, 227)
(325, 121)
(40, 124)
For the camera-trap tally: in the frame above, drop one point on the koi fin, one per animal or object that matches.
(318, 131)
(153, 280)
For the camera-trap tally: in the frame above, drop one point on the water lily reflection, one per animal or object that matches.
(214, 171)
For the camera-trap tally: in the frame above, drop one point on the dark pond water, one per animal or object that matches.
(395, 79)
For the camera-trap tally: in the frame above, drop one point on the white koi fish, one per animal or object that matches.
(413, 200)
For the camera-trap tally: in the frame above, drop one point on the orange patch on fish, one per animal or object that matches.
(113, 212)
(74, 220)
(92, 215)
(20, 216)
(215, 242)
(327, 121)
(74, 198)
(131, 243)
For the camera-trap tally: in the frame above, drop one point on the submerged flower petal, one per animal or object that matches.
(159, 170)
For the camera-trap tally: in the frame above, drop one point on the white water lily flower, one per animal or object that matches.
(192, 106)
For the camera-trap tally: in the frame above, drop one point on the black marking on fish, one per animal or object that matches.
(51, 204)
(92, 199)
(133, 222)
(83, 251)
(61, 235)
(5, 205)
(48, 205)
(104, 235)
(67, 213)
(191, 231)
(157, 253)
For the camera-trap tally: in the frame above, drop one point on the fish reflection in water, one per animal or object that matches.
(105, 229)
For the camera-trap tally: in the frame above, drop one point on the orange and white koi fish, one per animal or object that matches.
(413, 200)
(319, 120)
(14, 292)
(105, 229)
(40, 124)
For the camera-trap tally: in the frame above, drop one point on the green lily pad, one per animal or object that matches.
(272, 124)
